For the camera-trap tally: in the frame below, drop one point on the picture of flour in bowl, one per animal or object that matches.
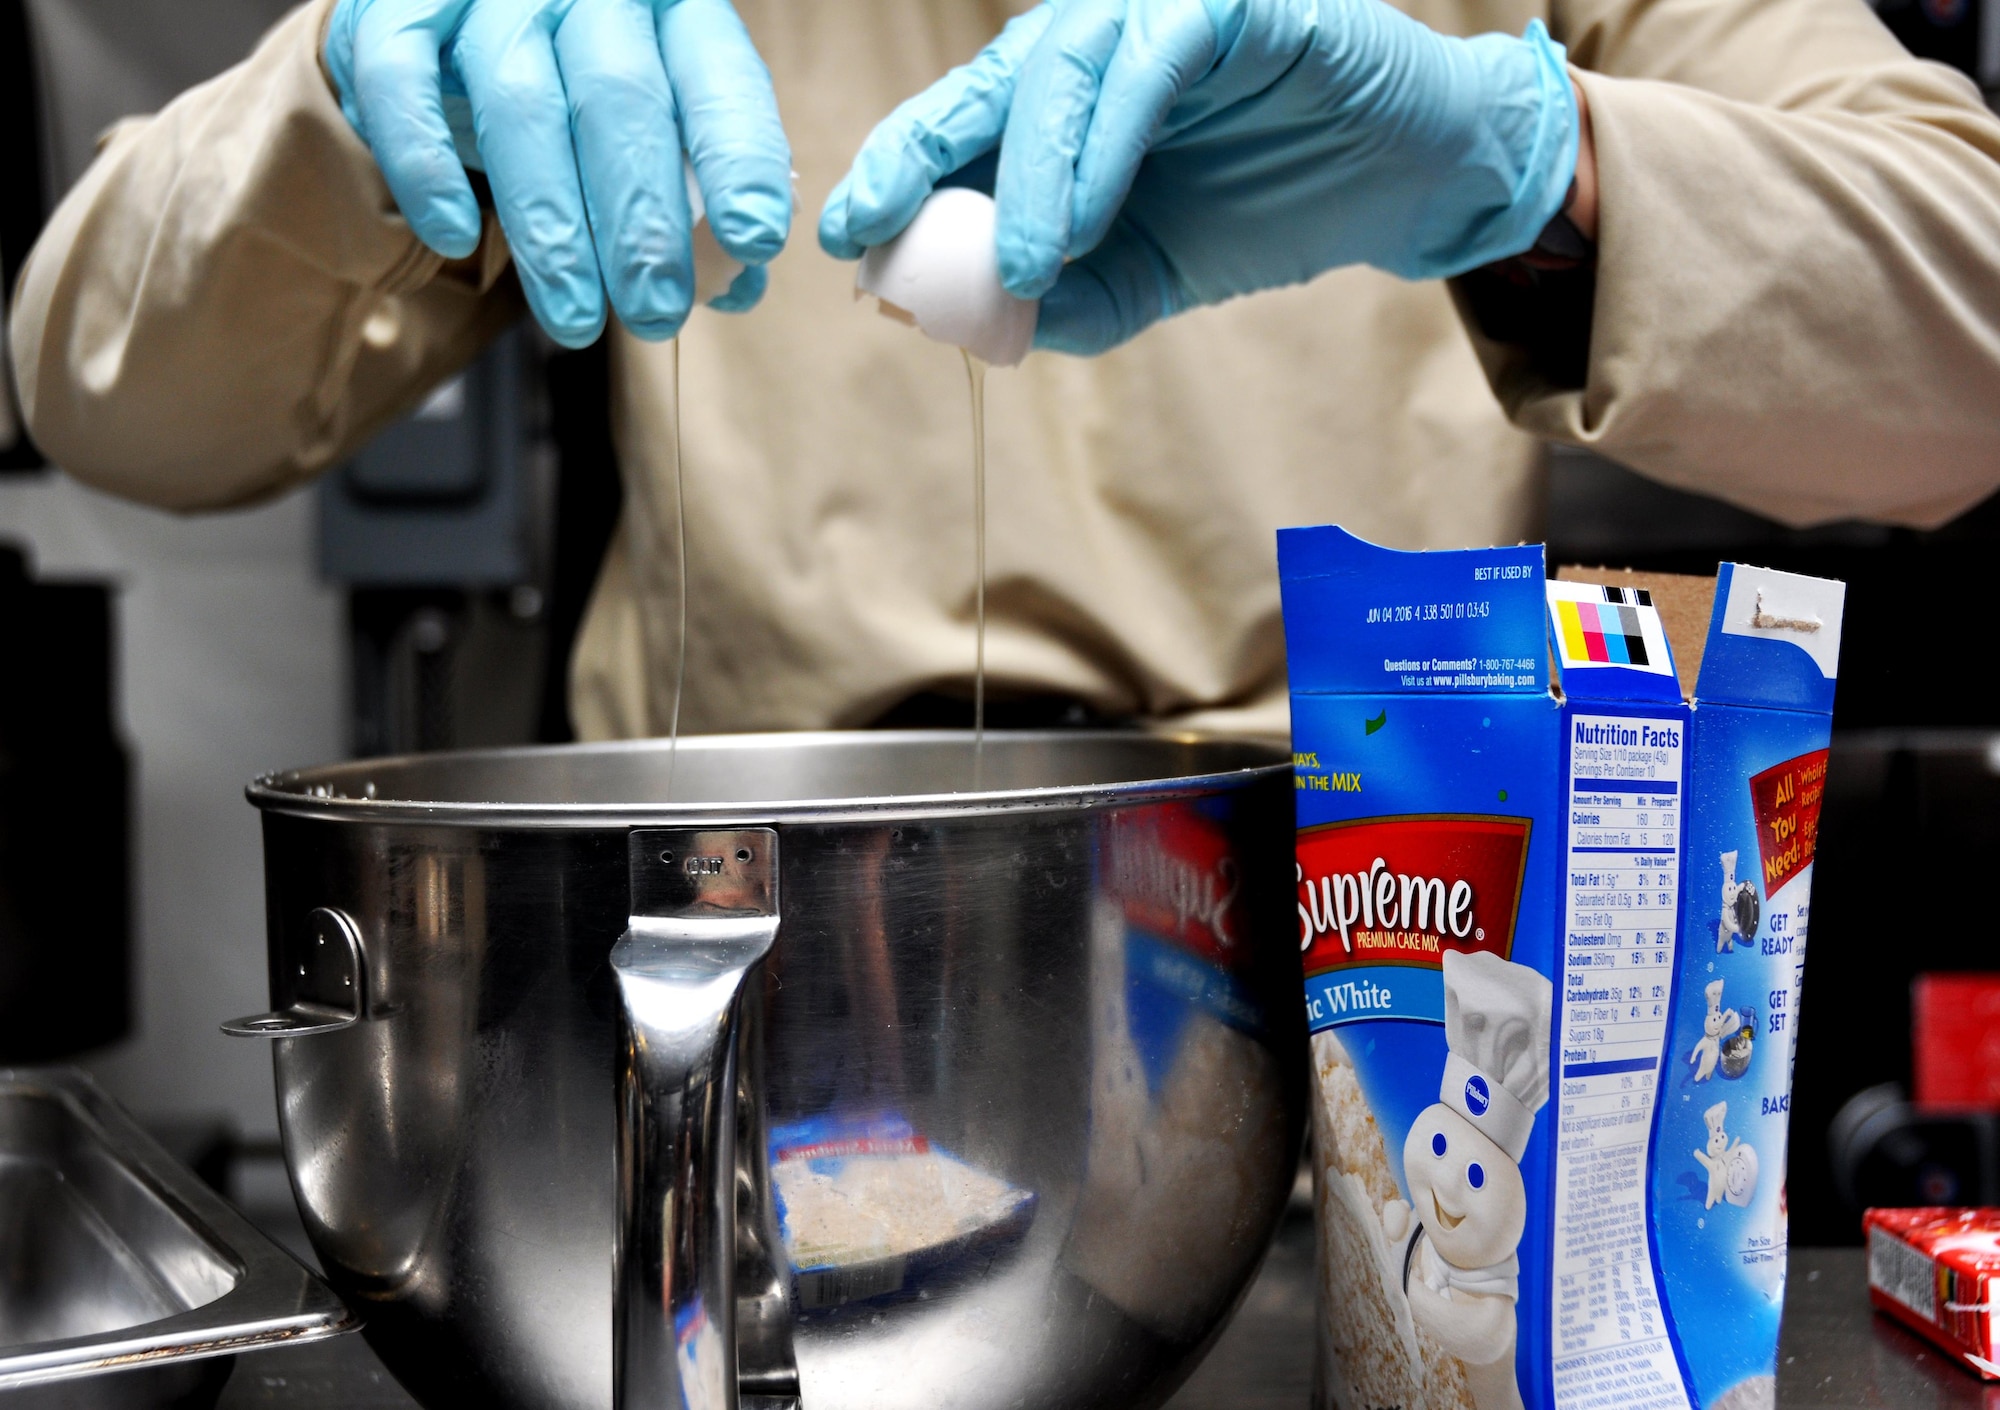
(1736, 1048)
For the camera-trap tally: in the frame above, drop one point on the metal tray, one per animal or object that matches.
(114, 1258)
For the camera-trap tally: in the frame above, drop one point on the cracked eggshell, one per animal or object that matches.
(944, 273)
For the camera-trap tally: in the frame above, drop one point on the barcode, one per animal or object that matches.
(834, 1287)
(1903, 1273)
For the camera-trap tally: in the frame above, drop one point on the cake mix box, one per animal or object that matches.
(1553, 895)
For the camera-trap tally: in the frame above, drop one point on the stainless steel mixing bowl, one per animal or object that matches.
(829, 1080)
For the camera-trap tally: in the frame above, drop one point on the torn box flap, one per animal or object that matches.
(1365, 620)
(1685, 601)
(1773, 641)
(1609, 643)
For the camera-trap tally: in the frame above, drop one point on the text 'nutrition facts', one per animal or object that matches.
(1622, 885)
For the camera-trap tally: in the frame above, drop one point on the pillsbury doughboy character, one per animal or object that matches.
(1739, 909)
(1731, 1165)
(1461, 1165)
(1718, 1022)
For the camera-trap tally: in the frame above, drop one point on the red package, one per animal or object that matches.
(1955, 1041)
(1932, 1270)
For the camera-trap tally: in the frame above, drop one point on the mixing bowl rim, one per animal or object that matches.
(308, 792)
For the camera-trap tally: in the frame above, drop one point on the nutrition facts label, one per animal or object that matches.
(1622, 893)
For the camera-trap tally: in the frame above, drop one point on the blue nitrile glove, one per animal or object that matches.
(1182, 152)
(579, 110)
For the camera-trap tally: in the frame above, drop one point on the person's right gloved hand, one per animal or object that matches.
(579, 113)
(1162, 154)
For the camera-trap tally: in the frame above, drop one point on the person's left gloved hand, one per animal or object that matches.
(1182, 152)
(577, 110)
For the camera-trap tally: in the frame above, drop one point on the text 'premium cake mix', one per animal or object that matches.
(1552, 901)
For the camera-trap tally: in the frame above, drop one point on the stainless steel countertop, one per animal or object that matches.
(1836, 1354)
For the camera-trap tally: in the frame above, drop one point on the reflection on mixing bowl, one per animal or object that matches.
(868, 1208)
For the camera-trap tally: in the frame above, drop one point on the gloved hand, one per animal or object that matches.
(577, 110)
(1182, 152)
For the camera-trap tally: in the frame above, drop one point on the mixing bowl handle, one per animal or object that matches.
(704, 915)
(323, 980)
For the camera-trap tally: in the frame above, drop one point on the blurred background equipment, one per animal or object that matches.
(1887, 1154)
(1962, 33)
(1942, 1147)
(436, 529)
(467, 538)
(1955, 1041)
(65, 821)
(23, 196)
(425, 598)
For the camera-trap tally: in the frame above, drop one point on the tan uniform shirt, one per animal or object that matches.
(1797, 310)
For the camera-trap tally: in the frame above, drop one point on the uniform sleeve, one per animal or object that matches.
(228, 301)
(1798, 283)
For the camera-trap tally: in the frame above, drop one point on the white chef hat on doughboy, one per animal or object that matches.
(1496, 1027)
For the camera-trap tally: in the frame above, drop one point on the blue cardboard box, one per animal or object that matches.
(1553, 894)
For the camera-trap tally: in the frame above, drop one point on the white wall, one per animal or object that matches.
(231, 662)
